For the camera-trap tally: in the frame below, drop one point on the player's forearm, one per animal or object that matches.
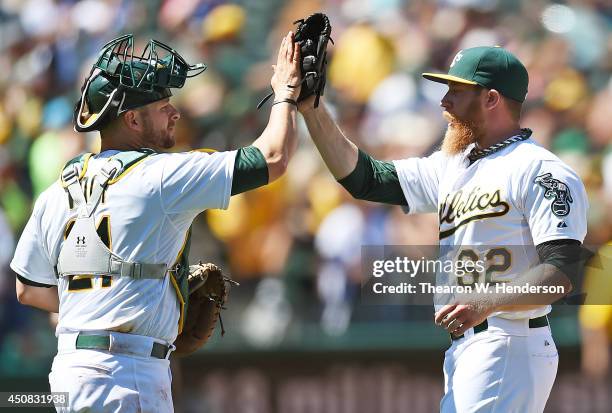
(278, 141)
(338, 152)
(40, 297)
(543, 275)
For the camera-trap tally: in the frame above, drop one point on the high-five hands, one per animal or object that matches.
(286, 79)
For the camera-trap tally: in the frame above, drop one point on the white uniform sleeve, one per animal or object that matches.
(30, 260)
(419, 179)
(555, 202)
(196, 181)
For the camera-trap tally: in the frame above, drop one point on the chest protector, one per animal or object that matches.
(83, 252)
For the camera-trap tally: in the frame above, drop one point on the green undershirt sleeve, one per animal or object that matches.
(374, 180)
(250, 170)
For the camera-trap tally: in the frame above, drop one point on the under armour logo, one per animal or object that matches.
(80, 240)
(457, 57)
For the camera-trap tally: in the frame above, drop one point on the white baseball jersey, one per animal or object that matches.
(518, 197)
(146, 213)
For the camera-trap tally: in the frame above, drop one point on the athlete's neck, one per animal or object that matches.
(494, 135)
(122, 141)
(123, 146)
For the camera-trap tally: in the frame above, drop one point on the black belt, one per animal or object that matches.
(102, 342)
(533, 323)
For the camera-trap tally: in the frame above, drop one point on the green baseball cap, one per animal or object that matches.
(490, 67)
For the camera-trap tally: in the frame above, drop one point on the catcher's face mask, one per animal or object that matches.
(120, 81)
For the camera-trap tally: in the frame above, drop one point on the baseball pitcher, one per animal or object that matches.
(500, 198)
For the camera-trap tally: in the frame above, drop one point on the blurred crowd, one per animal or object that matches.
(295, 245)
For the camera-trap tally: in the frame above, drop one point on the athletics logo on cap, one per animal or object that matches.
(457, 57)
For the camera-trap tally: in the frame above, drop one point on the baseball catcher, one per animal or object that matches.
(114, 245)
(312, 35)
(208, 291)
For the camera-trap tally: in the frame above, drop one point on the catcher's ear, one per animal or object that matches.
(132, 119)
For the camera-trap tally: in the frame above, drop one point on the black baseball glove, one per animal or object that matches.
(312, 34)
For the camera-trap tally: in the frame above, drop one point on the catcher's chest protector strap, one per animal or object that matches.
(180, 277)
(83, 252)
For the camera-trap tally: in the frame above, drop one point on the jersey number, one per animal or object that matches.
(86, 282)
(498, 260)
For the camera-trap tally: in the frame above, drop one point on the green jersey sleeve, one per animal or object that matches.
(374, 180)
(250, 170)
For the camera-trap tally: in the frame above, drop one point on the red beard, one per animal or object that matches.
(459, 134)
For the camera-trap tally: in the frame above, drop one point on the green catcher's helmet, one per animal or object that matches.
(120, 81)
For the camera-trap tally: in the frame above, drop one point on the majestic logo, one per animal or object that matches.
(457, 57)
(558, 191)
(461, 208)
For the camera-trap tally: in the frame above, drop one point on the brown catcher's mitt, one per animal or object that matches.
(208, 290)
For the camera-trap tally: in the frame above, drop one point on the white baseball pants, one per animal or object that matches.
(98, 381)
(507, 368)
